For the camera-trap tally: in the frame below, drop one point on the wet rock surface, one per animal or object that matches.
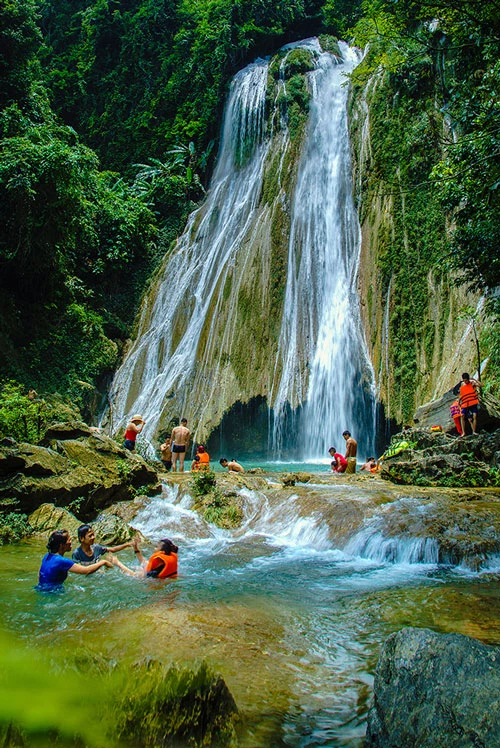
(438, 459)
(435, 690)
(437, 413)
(73, 463)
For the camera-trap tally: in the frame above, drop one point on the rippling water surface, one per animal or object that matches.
(292, 619)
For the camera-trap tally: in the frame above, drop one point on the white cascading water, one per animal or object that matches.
(321, 324)
(321, 314)
(206, 252)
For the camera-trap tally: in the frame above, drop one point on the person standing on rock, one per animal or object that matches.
(89, 551)
(469, 401)
(134, 427)
(350, 452)
(55, 567)
(166, 453)
(180, 442)
(456, 414)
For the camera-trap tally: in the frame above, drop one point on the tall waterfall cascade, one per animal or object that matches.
(259, 296)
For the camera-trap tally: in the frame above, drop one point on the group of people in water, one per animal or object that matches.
(90, 556)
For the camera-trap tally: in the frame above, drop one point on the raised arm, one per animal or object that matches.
(91, 568)
(116, 548)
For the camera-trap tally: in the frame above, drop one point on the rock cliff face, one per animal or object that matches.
(435, 690)
(418, 339)
(76, 465)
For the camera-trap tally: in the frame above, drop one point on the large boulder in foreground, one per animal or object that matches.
(74, 463)
(435, 690)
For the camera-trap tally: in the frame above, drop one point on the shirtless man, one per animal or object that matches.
(166, 453)
(180, 442)
(232, 466)
(351, 450)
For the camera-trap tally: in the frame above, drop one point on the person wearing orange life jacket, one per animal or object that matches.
(161, 564)
(456, 414)
(201, 460)
(469, 401)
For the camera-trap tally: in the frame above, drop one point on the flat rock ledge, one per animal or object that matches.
(435, 691)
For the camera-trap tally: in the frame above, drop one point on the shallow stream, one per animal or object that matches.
(288, 608)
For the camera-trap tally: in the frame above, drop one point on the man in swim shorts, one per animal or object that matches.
(180, 442)
(351, 450)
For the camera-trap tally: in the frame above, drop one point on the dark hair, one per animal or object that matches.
(82, 531)
(166, 546)
(56, 540)
(465, 375)
(197, 458)
(332, 449)
(222, 459)
(371, 459)
(346, 433)
(184, 420)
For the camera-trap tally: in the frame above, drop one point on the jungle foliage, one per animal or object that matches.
(435, 116)
(110, 112)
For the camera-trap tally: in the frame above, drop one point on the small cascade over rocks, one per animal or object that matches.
(258, 299)
(352, 527)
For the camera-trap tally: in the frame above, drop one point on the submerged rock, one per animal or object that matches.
(435, 690)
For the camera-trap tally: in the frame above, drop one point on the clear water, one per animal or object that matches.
(292, 619)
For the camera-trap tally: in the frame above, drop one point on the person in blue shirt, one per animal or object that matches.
(55, 567)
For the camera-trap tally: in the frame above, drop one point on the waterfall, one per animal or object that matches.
(190, 292)
(321, 312)
(198, 350)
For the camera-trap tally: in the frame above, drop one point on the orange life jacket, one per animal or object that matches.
(158, 558)
(455, 409)
(468, 395)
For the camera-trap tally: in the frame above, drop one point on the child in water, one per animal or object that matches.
(161, 564)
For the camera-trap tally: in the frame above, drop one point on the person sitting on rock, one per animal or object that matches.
(89, 551)
(203, 461)
(370, 465)
(339, 462)
(54, 568)
(232, 465)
